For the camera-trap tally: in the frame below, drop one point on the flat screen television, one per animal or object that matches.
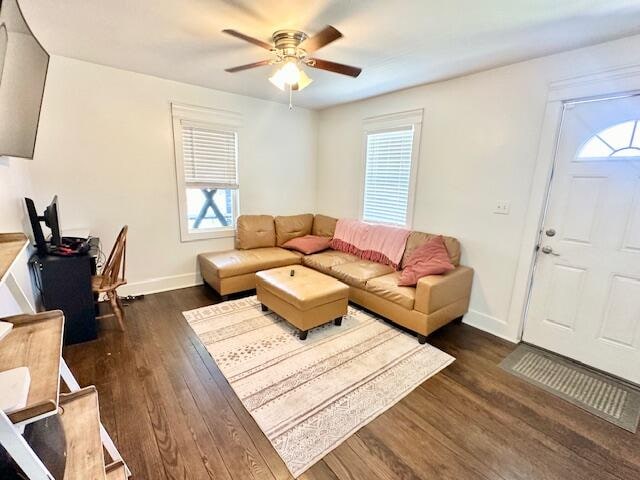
(50, 219)
(23, 71)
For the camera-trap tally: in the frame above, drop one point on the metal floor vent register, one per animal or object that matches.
(606, 397)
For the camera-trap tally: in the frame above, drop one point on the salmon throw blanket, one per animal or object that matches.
(378, 243)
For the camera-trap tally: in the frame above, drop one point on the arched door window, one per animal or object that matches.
(621, 140)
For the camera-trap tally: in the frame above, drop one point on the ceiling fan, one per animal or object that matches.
(290, 49)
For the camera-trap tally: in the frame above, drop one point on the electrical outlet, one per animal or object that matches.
(502, 207)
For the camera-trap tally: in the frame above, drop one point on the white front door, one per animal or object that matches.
(585, 297)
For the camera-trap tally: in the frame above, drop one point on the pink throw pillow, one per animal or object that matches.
(430, 258)
(308, 244)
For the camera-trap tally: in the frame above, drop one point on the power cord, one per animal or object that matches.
(127, 299)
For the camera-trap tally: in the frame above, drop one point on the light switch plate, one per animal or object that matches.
(502, 207)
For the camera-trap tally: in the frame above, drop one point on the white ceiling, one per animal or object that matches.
(398, 43)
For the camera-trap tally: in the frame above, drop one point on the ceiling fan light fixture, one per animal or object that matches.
(290, 75)
(277, 80)
(304, 81)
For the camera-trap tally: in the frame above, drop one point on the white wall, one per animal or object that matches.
(105, 146)
(14, 185)
(480, 137)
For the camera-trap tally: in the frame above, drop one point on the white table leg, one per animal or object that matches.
(15, 444)
(18, 294)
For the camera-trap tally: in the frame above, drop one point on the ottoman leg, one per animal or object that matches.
(422, 339)
(303, 334)
(338, 321)
(264, 308)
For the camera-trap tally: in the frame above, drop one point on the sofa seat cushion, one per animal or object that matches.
(324, 261)
(238, 262)
(358, 273)
(387, 287)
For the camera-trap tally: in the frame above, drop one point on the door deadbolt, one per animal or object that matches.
(550, 232)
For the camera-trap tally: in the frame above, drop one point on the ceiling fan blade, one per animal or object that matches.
(247, 38)
(327, 35)
(335, 67)
(261, 63)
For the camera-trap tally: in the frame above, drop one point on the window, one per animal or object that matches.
(206, 146)
(621, 140)
(391, 152)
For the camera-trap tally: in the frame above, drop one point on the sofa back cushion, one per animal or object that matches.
(255, 231)
(292, 226)
(324, 226)
(417, 239)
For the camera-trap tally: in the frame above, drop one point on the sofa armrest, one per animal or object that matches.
(436, 291)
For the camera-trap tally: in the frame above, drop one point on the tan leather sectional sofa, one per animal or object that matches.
(434, 302)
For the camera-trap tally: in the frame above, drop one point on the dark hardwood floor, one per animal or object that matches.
(173, 415)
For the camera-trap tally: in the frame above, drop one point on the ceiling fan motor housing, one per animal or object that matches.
(287, 41)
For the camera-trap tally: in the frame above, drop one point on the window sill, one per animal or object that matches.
(207, 234)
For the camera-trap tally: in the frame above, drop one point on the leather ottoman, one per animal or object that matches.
(305, 299)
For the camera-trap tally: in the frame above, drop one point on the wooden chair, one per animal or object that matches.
(111, 278)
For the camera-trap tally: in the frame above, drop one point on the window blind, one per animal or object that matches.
(388, 176)
(210, 157)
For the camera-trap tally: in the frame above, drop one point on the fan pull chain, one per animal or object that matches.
(290, 97)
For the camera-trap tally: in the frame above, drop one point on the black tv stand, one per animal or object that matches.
(64, 283)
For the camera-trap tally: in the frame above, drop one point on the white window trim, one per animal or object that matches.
(206, 117)
(389, 122)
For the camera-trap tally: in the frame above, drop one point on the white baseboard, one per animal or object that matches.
(482, 321)
(489, 324)
(161, 284)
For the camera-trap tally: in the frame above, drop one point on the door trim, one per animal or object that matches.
(611, 83)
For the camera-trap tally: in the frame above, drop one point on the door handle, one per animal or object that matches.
(547, 250)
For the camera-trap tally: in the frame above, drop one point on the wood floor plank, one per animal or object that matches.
(319, 471)
(179, 449)
(418, 418)
(422, 451)
(169, 354)
(137, 442)
(161, 393)
(385, 465)
(610, 448)
(272, 459)
(348, 465)
(236, 446)
(513, 448)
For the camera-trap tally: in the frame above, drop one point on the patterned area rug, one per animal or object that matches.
(599, 394)
(309, 396)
